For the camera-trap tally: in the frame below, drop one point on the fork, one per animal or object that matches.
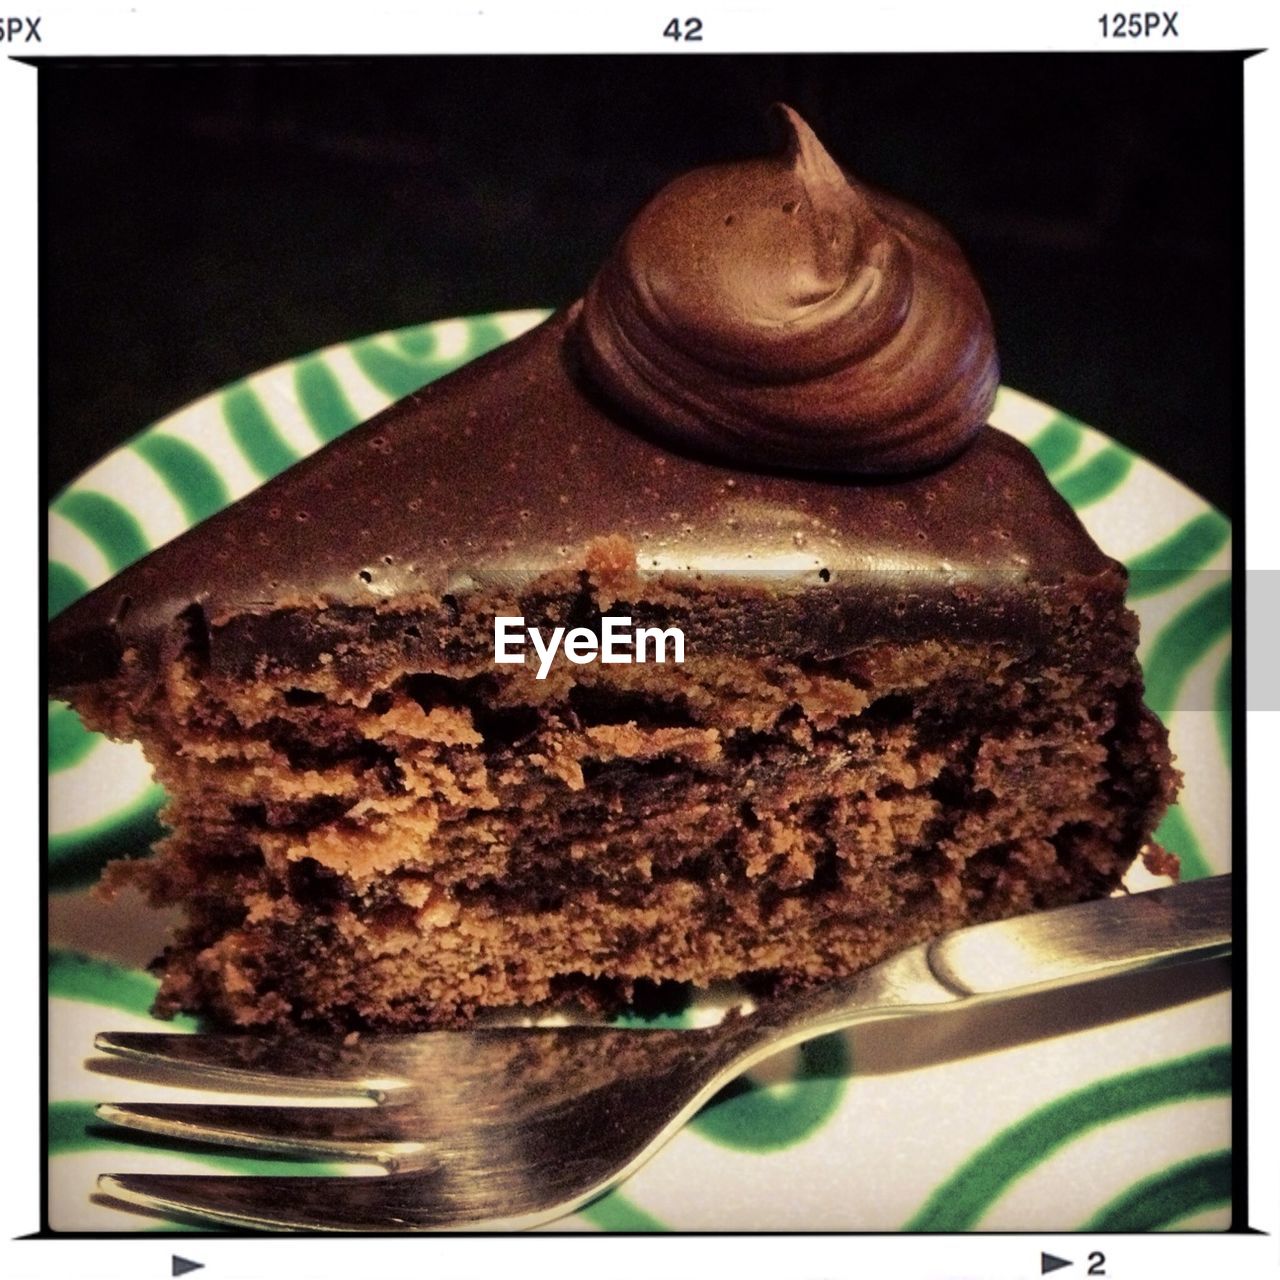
(509, 1127)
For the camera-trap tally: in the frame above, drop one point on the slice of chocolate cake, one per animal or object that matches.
(705, 631)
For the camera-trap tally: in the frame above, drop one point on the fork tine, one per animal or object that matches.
(253, 1202)
(369, 1067)
(483, 1072)
(397, 1202)
(327, 1133)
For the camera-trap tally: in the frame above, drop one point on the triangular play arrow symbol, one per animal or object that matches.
(182, 1265)
(1049, 1263)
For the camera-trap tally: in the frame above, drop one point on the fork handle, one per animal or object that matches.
(1065, 947)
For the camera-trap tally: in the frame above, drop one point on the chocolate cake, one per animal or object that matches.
(908, 698)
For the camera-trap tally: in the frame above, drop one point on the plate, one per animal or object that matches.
(1083, 1123)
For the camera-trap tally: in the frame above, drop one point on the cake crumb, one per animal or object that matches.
(1160, 862)
(611, 561)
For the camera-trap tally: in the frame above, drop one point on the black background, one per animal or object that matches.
(201, 220)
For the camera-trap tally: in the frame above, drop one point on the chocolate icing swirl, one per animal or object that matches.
(775, 312)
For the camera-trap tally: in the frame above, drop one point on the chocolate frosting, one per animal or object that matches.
(509, 468)
(843, 331)
(777, 312)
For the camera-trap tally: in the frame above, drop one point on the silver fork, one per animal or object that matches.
(502, 1128)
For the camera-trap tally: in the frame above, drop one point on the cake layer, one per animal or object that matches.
(462, 839)
(412, 970)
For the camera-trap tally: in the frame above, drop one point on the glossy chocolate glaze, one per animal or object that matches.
(776, 312)
(513, 465)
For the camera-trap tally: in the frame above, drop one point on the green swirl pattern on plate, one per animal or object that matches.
(104, 804)
(1161, 1201)
(960, 1202)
